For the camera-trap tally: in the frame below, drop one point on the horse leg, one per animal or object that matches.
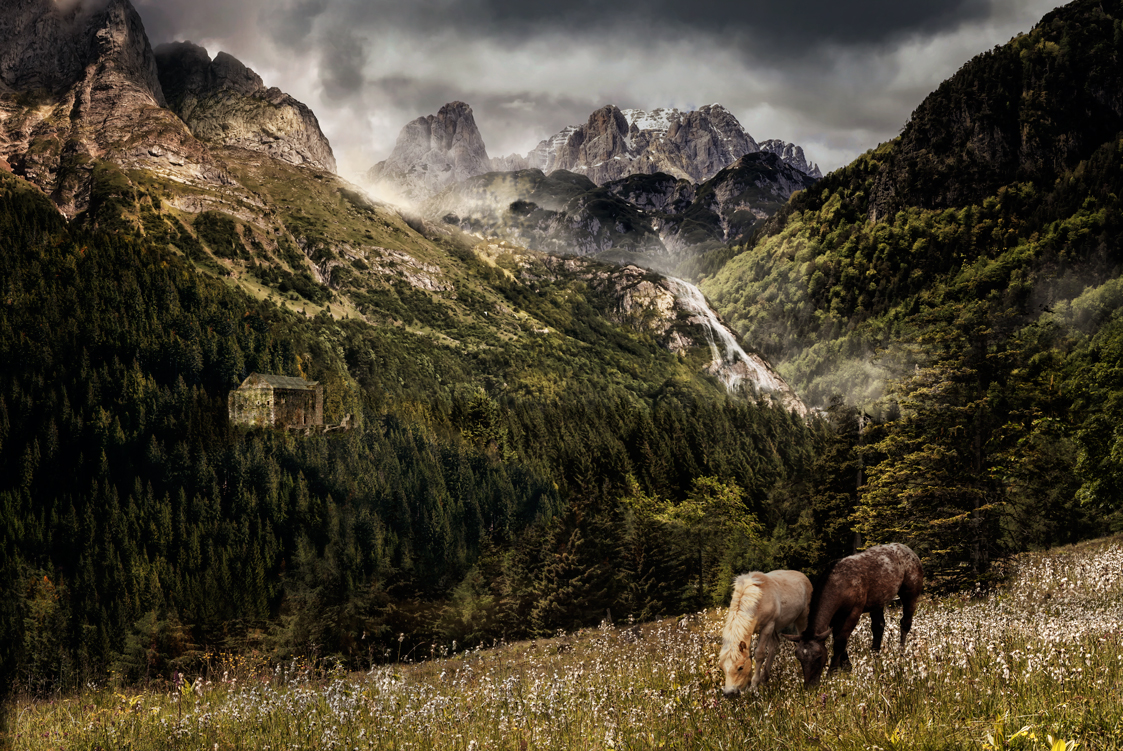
(842, 635)
(877, 624)
(762, 656)
(908, 607)
(773, 645)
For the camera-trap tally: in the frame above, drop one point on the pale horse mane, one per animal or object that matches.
(740, 622)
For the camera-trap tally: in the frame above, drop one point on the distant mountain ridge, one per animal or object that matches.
(435, 151)
(614, 143)
(649, 217)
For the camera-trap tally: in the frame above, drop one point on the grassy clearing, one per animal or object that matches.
(1033, 664)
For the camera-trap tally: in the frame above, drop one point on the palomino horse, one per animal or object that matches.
(764, 603)
(862, 583)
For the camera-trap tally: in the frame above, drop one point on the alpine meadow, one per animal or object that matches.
(468, 452)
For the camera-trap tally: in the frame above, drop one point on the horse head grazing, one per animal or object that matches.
(861, 583)
(812, 655)
(737, 664)
(764, 604)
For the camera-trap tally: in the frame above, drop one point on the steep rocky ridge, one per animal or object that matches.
(691, 145)
(81, 85)
(615, 143)
(224, 102)
(433, 152)
(1027, 110)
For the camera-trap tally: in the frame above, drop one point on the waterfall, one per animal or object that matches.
(731, 364)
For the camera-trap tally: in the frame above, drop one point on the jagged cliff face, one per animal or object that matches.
(224, 102)
(1025, 111)
(615, 143)
(793, 155)
(433, 152)
(47, 49)
(79, 86)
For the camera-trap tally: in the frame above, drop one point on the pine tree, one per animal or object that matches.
(938, 488)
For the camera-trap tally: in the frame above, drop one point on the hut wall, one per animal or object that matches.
(252, 407)
(296, 407)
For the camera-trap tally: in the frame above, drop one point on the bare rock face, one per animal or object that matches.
(509, 163)
(79, 84)
(46, 48)
(434, 152)
(791, 154)
(224, 102)
(692, 146)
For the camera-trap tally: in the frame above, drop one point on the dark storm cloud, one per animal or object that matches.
(292, 26)
(789, 21)
(792, 24)
(836, 77)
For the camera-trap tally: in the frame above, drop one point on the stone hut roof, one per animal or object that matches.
(259, 380)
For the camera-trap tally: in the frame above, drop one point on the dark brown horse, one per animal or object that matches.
(862, 583)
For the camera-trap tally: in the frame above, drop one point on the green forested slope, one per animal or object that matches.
(139, 528)
(962, 284)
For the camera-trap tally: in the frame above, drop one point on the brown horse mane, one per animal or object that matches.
(818, 585)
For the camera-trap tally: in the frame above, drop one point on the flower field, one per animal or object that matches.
(1034, 664)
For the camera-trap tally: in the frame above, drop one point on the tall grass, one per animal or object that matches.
(1034, 664)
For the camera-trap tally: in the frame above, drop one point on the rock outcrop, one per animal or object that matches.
(793, 155)
(79, 85)
(224, 102)
(434, 152)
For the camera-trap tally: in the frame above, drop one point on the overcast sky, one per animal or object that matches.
(835, 76)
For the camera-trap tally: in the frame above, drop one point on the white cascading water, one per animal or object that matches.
(724, 365)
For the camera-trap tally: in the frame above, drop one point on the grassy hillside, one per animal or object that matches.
(1028, 664)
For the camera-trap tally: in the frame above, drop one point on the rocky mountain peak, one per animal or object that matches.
(48, 48)
(791, 154)
(90, 75)
(433, 152)
(231, 75)
(224, 102)
(693, 145)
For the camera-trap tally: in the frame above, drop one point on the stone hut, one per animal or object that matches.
(277, 401)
